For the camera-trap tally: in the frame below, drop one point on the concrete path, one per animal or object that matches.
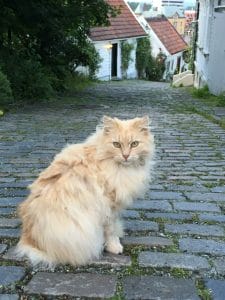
(174, 242)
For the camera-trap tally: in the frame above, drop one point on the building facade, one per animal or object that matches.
(165, 39)
(178, 22)
(210, 46)
(124, 28)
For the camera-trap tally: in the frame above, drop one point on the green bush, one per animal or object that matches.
(143, 55)
(156, 67)
(5, 90)
(221, 100)
(126, 49)
(28, 78)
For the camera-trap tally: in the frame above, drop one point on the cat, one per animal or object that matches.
(73, 210)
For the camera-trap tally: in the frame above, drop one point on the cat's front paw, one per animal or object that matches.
(114, 246)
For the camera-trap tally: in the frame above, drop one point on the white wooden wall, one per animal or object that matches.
(210, 55)
(104, 72)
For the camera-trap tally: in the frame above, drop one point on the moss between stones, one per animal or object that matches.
(203, 292)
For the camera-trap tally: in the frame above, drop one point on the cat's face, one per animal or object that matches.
(127, 142)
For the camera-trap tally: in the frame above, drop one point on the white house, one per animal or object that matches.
(108, 40)
(210, 47)
(164, 38)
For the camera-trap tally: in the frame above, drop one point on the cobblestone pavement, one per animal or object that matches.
(174, 242)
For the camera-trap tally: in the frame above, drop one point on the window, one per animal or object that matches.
(219, 6)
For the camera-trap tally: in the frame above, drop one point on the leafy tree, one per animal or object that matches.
(51, 33)
(5, 89)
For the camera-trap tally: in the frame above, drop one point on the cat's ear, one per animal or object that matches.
(108, 124)
(143, 124)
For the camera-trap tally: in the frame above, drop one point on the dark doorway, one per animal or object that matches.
(114, 60)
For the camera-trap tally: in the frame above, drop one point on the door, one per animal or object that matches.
(114, 60)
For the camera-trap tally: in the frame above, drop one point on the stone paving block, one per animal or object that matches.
(3, 247)
(157, 187)
(7, 211)
(202, 246)
(10, 274)
(74, 285)
(6, 202)
(140, 225)
(219, 264)
(212, 197)
(211, 217)
(150, 241)
(217, 288)
(160, 288)
(218, 189)
(172, 260)
(173, 216)
(9, 297)
(10, 223)
(152, 205)
(113, 260)
(183, 178)
(207, 230)
(13, 192)
(22, 184)
(195, 206)
(9, 232)
(184, 187)
(166, 196)
(130, 214)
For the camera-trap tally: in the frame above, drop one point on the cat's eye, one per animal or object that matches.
(116, 144)
(134, 144)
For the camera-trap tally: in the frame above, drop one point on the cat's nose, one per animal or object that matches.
(125, 156)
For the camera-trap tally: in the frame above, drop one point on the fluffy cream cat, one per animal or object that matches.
(72, 212)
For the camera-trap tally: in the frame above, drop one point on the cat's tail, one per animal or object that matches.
(35, 256)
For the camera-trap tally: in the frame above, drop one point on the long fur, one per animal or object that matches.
(72, 211)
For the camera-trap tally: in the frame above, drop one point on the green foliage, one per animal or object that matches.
(126, 49)
(5, 90)
(76, 82)
(203, 292)
(188, 57)
(156, 67)
(143, 56)
(201, 93)
(149, 67)
(205, 96)
(92, 60)
(28, 78)
(49, 37)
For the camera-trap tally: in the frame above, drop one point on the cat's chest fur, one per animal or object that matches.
(123, 184)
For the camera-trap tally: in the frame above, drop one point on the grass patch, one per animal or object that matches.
(205, 96)
(180, 273)
(203, 292)
(78, 82)
(207, 116)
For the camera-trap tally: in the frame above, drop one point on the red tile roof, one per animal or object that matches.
(167, 34)
(124, 25)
